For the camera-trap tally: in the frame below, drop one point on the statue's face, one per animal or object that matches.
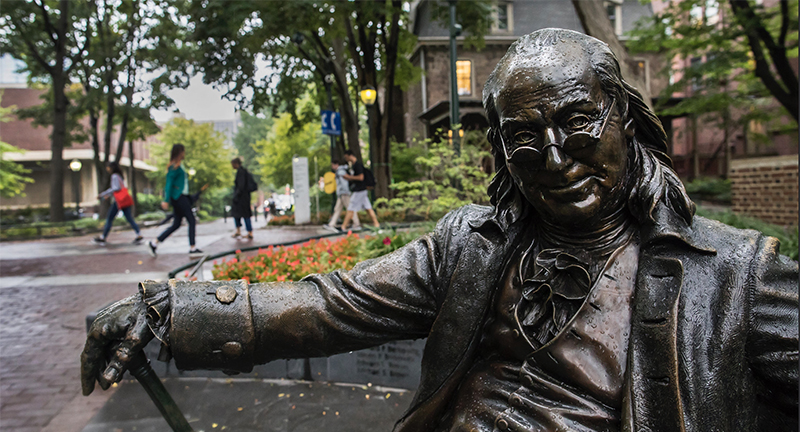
(563, 137)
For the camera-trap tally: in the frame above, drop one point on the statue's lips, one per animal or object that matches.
(577, 187)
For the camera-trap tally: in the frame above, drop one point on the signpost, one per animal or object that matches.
(331, 123)
(302, 201)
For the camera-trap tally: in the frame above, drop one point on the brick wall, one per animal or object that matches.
(766, 188)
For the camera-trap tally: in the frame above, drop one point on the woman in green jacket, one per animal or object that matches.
(176, 193)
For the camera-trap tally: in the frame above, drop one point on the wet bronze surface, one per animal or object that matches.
(690, 325)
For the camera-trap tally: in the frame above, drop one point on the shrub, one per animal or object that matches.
(710, 189)
(447, 182)
(292, 263)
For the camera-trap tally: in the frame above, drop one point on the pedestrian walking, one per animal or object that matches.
(192, 198)
(122, 201)
(342, 197)
(176, 193)
(359, 200)
(243, 185)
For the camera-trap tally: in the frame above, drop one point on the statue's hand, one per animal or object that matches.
(117, 334)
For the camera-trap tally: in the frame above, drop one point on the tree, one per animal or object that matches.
(344, 46)
(595, 22)
(50, 38)
(742, 52)
(12, 174)
(253, 128)
(206, 154)
(284, 142)
(137, 55)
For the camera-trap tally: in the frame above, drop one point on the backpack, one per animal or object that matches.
(369, 178)
(252, 186)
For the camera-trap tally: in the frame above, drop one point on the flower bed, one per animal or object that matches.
(292, 263)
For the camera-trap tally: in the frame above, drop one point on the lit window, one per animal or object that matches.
(464, 77)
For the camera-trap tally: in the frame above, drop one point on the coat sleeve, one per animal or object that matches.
(396, 296)
(773, 321)
(168, 187)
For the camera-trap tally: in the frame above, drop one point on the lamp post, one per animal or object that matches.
(455, 31)
(368, 96)
(75, 166)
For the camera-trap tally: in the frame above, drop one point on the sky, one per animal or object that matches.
(197, 102)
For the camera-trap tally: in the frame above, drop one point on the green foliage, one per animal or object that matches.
(710, 188)
(723, 74)
(254, 128)
(447, 182)
(213, 201)
(787, 236)
(475, 17)
(12, 174)
(404, 156)
(283, 142)
(146, 203)
(206, 153)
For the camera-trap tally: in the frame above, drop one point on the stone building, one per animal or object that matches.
(427, 103)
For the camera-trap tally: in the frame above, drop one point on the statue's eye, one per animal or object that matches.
(578, 122)
(524, 138)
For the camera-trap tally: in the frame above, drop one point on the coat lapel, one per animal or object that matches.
(653, 400)
(456, 333)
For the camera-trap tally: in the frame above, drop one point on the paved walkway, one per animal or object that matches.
(46, 289)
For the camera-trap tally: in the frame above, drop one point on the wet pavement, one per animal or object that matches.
(47, 287)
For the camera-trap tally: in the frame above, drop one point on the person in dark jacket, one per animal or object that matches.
(240, 205)
(587, 297)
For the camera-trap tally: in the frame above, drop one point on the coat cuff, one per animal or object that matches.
(212, 325)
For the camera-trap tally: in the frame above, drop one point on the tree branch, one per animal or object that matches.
(48, 25)
(757, 33)
(32, 48)
(351, 45)
(784, 22)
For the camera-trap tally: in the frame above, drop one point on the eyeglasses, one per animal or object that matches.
(577, 144)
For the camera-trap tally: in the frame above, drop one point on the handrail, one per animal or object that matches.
(196, 265)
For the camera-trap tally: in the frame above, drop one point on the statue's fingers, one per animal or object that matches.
(135, 341)
(93, 359)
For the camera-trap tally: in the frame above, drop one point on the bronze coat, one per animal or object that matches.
(714, 331)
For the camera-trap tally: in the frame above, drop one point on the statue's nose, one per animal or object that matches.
(555, 159)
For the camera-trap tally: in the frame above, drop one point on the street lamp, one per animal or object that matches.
(75, 166)
(368, 96)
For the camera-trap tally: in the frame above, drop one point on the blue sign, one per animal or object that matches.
(331, 123)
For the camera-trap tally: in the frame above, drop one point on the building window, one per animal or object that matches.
(694, 64)
(502, 18)
(614, 11)
(464, 77)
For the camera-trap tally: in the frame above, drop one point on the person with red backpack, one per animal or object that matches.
(122, 201)
(240, 207)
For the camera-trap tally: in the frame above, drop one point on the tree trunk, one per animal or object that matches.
(594, 19)
(383, 156)
(132, 179)
(57, 147)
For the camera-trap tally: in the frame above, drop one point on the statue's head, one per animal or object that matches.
(572, 137)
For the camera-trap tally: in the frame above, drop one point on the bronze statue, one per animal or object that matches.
(588, 297)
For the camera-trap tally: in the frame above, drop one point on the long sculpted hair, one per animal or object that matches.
(651, 178)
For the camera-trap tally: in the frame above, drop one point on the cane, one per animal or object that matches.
(140, 368)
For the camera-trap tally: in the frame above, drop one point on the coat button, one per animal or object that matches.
(232, 349)
(515, 333)
(515, 401)
(502, 424)
(226, 294)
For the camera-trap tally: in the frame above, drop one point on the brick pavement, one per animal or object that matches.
(42, 328)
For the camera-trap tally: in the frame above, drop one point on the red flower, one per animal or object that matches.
(387, 241)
